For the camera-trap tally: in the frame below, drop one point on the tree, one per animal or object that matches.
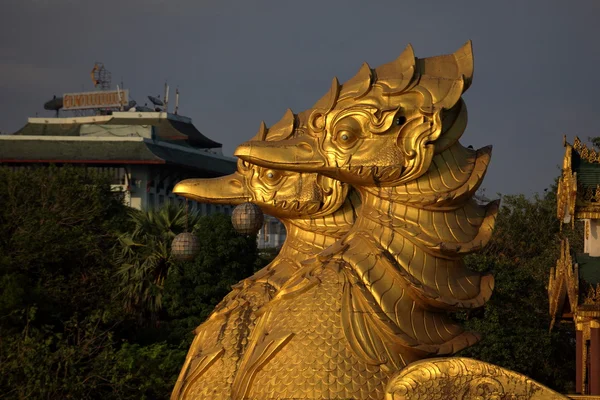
(178, 296)
(193, 289)
(63, 332)
(143, 255)
(515, 322)
(56, 311)
(57, 230)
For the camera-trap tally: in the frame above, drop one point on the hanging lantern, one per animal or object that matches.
(247, 218)
(185, 246)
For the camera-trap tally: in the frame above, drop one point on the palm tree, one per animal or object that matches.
(143, 256)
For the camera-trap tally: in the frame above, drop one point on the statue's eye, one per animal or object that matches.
(271, 176)
(400, 120)
(346, 132)
(346, 138)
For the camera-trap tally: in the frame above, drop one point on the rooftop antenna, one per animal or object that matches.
(101, 77)
(166, 98)
(120, 98)
(176, 100)
(54, 105)
(158, 103)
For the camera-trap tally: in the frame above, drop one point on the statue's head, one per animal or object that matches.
(282, 194)
(382, 127)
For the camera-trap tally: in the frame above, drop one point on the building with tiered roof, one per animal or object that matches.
(147, 153)
(147, 150)
(574, 286)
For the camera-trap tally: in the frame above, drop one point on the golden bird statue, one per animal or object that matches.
(367, 313)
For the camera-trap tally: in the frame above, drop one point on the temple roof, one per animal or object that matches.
(167, 127)
(578, 194)
(573, 285)
(588, 174)
(110, 150)
(563, 285)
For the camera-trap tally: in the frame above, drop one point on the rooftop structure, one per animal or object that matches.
(140, 137)
(146, 152)
(146, 149)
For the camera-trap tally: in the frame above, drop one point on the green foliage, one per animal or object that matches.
(193, 289)
(181, 294)
(84, 361)
(143, 255)
(56, 278)
(515, 322)
(64, 332)
(56, 233)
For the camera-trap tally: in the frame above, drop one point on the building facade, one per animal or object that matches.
(147, 153)
(272, 234)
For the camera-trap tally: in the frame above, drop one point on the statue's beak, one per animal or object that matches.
(229, 189)
(298, 154)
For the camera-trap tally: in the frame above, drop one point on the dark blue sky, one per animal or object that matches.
(537, 63)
